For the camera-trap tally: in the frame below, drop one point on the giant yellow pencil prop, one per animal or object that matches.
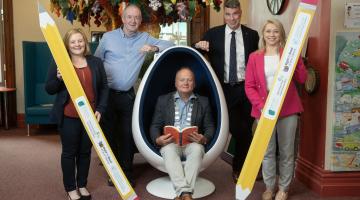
(274, 101)
(77, 94)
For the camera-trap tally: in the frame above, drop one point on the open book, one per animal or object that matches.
(181, 137)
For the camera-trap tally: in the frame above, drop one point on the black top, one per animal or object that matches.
(216, 38)
(55, 86)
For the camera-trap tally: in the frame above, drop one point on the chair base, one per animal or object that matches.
(162, 187)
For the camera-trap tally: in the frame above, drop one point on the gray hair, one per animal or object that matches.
(232, 4)
(131, 6)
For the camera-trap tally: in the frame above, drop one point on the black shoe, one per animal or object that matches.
(85, 197)
(110, 183)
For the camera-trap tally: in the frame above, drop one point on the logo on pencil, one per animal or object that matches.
(81, 103)
(286, 68)
(271, 112)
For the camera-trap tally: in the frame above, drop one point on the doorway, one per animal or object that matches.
(2, 48)
(7, 60)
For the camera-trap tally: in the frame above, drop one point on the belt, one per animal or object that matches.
(236, 83)
(121, 92)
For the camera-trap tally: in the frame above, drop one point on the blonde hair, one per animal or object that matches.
(72, 32)
(278, 25)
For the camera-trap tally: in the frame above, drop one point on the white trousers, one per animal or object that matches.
(286, 131)
(183, 177)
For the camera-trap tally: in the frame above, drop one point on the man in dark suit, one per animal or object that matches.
(228, 47)
(182, 109)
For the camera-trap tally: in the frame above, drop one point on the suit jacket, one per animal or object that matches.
(55, 86)
(256, 90)
(216, 38)
(165, 112)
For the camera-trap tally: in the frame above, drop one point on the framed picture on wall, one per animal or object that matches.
(345, 139)
(352, 15)
(96, 36)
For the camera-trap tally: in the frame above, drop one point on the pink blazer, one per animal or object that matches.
(255, 86)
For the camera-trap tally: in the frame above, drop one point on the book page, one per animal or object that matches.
(174, 132)
(185, 134)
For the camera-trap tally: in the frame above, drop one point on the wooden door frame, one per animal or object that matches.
(9, 59)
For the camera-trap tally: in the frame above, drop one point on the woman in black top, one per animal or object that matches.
(76, 145)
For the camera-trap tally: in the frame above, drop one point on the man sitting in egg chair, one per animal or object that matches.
(182, 110)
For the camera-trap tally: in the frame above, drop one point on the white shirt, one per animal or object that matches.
(240, 54)
(270, 67)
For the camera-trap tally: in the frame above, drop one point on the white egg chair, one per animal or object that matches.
(159, 79)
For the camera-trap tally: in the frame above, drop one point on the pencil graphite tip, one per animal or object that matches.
(242, 194)
(44, 17)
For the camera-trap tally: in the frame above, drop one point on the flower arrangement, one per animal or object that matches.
(108, 12)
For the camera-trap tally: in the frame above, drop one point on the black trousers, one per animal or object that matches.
(76, 152)
(116, 124)
(240, 125)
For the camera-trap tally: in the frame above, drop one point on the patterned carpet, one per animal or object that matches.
(30, 169)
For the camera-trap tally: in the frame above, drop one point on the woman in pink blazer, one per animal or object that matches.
(260, 73)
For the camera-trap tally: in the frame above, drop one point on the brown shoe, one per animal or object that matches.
(186, 197)
(281, 195)
(268, 195)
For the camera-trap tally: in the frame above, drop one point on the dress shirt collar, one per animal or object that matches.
(228, 30)
(177, 96)
(122, 33)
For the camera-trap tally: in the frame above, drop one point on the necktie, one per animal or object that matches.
(233, 66)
